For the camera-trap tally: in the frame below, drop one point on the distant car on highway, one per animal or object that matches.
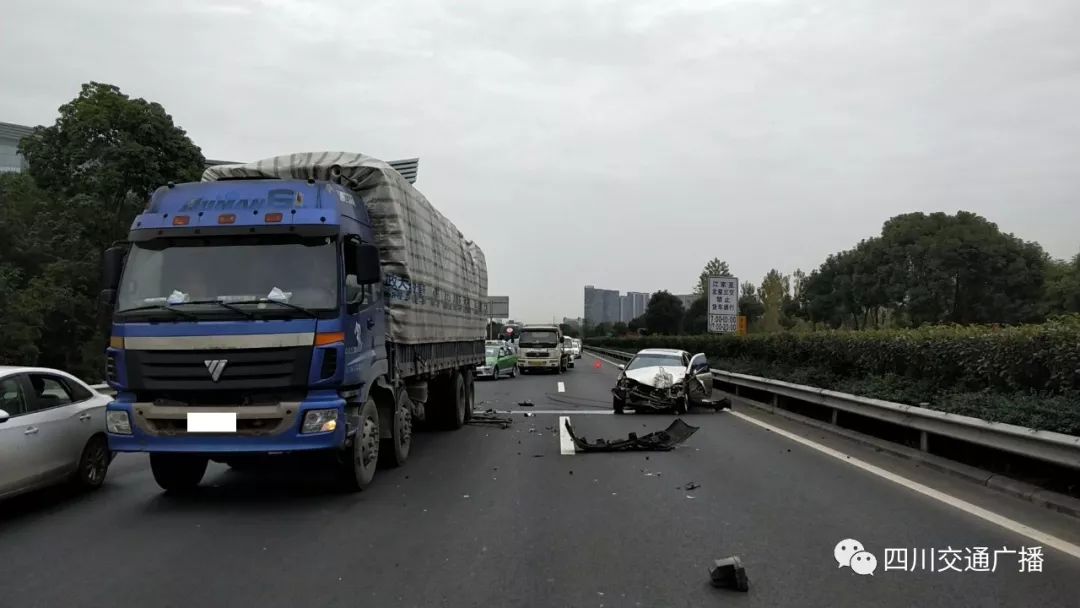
(500, 360)
(52, 429)
(661, 379)
(577, 348)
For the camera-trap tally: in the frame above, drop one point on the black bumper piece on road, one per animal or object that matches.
(659, 441)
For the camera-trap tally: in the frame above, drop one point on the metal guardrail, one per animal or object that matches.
(1047, 446)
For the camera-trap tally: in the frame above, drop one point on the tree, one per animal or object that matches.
(664, 314)
(90, 173)
(106, 144)
(696, 320)
(619, 328)
(1062, 286)
(636, 324)
(713, 268)
(750, 305)
(774, 288)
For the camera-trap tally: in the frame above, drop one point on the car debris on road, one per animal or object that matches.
(729, 573)
(491, 417)
(525, 403)
(659, 441)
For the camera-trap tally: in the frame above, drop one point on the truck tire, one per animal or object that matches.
(395, 450)
(177, 473)
(452, 402)
(470, 393)
(357, 463)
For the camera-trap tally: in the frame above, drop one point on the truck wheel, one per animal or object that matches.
(618, 405)
(470, 393)
(177, 472)
(94, 464)
(395, 450)
(358, 461)
(451, 402)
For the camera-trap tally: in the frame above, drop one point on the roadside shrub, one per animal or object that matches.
(1044, 358)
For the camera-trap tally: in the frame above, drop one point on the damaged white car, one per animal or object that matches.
(661, 379)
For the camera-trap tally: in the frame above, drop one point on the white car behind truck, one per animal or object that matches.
(541, 348)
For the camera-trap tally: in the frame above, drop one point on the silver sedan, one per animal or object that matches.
(52, 429)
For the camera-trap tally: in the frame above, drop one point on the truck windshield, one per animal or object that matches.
(298, 271)
(548, 339)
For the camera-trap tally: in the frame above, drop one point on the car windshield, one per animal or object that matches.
(539, 339)
(298, 271)
(653, 360)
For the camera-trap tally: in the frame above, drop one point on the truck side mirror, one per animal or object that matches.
(112, 266)
(107, 299)
(367, 264)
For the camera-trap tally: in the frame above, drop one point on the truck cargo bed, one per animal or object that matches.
(408, 360)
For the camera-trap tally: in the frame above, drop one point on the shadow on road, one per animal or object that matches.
(44, 502)
(266, 490)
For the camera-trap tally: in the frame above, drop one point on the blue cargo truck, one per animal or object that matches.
(309, 305)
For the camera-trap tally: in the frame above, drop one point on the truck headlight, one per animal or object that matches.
(117, 422)
(319, 421)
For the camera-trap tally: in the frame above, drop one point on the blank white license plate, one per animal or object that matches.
(537, 363)
(211, 422)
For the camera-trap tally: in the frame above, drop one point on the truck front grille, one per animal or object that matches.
(248, 369)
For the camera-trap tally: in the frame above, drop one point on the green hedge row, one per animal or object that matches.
(1044, 358)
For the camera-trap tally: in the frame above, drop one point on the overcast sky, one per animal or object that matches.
(614, 143)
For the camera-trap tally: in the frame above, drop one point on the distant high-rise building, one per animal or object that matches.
(607, 306)
(638, 303)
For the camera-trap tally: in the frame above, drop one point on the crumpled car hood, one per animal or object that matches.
(649, 375)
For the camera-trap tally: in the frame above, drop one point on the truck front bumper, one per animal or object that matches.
(259, 429)
(539, 363)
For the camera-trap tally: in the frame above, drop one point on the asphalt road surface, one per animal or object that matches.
(491, 517)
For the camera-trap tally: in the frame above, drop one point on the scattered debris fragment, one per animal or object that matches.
(662, 441)
(693, 485)
(529, 414)
(491, 417)
(525, 403)
(729, 573)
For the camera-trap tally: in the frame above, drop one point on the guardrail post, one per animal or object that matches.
(924, 441)
(775, 400)
(835, 415)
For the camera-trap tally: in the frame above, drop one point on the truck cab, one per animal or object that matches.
(541, 348)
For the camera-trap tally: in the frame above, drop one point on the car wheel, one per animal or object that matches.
(513, 371)
(93, 464)
(395, 450)
(618, 405)
(177, 473)
(495, 374)
(682, 407)
(357, 462)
